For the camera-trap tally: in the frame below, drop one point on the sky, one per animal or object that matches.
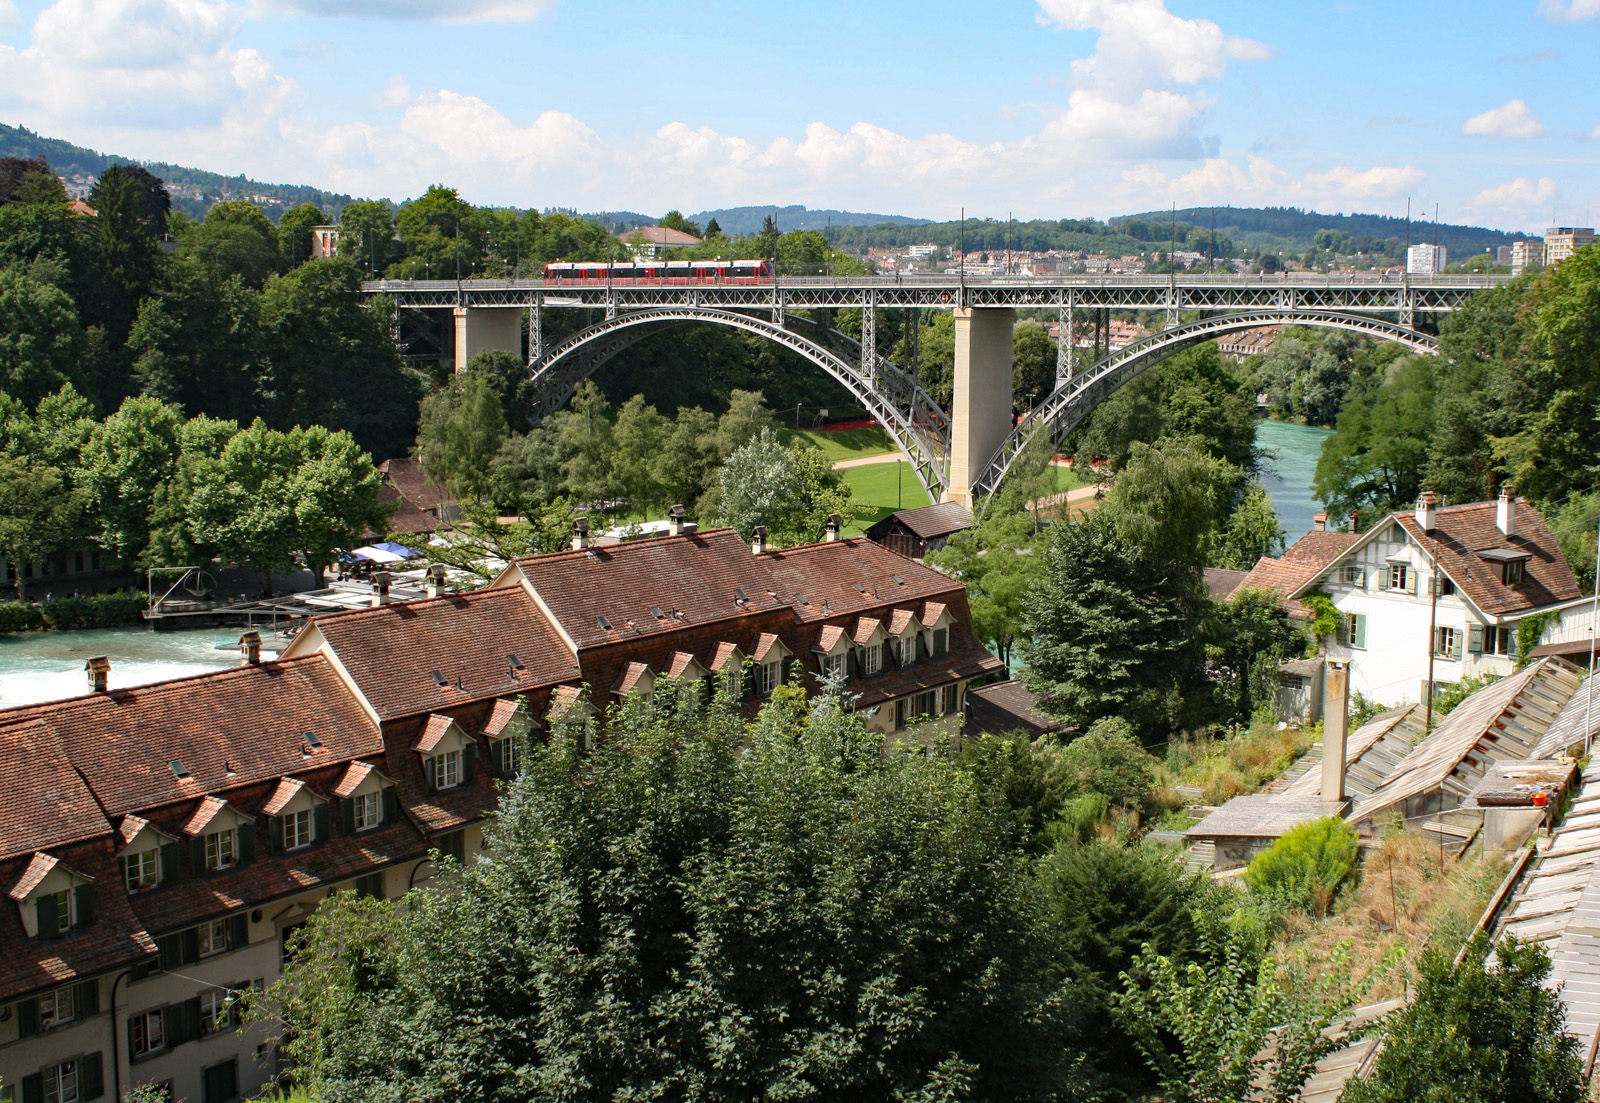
(1487, 109)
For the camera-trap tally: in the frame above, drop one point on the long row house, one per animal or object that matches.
(163, 845)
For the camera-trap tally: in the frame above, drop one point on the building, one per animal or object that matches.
(324, 241)
(170, 840)
(1560, 242)
(1426, 260)
(1502, 254)
(1000, 708)
(1493, 564)
(916, 532)
(417, 494)
(1526, 255)
(652, 241)
(1249, 342)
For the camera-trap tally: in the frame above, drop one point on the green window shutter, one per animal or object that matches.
(1342, 634)
(142, 969)
(1411, 580)
(122, 872)
(49, 925)
(497, 757)
(171, 859)
(1383, 578)
(347, 816)
(247, 842)
(239, 930)
(33, 1089)
(171, 948)
(28, 1018)
(427, 774)
(274, 834)
(132, 1045)
(191, 947)
(91, 1079)
(321, 829)
(197, 855)
(1475, 638)
(469, 763)
(1360, 630)
(391, 805)
(83, 899)
(87, 998)
(189, 1011)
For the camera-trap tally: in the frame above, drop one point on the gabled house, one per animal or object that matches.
(1437, 588)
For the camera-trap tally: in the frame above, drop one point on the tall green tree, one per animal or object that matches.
(38, 511)
(366, 235)
(1000, 563)
(462, 431)
(242, 503)
(127, 458)
(636, 442)
(236, 239)
(585, 439)
(1250, 532)
(42, 344)
(334, 490)
(294, 232)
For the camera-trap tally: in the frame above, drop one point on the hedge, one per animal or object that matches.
(87, 611)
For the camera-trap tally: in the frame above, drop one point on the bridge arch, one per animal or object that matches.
(1073, 400)
(918, 426)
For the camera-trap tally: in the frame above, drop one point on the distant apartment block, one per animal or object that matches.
(1426, 260)
(1526, 255)
(324, 241)
(921, 251)
(1502, 254)
(1560, 242)
(1250, 342)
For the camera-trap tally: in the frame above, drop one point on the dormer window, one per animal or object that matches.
(768, 677)
(871, 659)
(141, 870)
(1399, 576)
(366, 810)
(297, 829)
(449, 755)
(1516, 572)
(221, 849)
(55, 910)
(941, 642)
(444, 770)
(52, 899)
(366, 799)
(832, 666)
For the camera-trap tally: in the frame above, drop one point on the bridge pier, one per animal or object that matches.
(980, 418)
(479, 329)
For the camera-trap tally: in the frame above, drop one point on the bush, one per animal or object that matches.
(94, 610)
(1108, 760)
(1308, 864)
(20, 616)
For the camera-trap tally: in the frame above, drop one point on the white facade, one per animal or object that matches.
(1526, 255)
(1426, 260)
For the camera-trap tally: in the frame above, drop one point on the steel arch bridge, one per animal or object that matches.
(918, 426)
(1075, 398)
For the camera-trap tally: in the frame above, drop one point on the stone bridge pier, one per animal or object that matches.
(980, 415)
(481, 329)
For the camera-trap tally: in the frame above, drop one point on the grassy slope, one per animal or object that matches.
(848, 444)
(874, 490)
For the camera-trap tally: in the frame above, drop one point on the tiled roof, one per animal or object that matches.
(829, 638)
(939, 519)
(724, 654)
(129, 828)
(932, 611)
(502, 714)
(228, 728)
(691, 579)
(406, 517)
(47, 803)
(37, 869)
(632, 675)
(1005, 706)
(432, 731)
(682, 662)
(766, 644)
(286, 791)
(1461, 532)
(866, 627)
(827, 574)
(354, 775)
(1222, 582)
(204, 813)
(1258, 815)
(900, 620)
(1306, 558)
(392, 652)
(405, 475)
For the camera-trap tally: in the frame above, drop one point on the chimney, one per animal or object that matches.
(1320, 522)
(834, 524)
(1335, 732)
(1505, 510)
(1427, 510)
(580, 533)
(250, 648)
(675, 517)
(99, 669)
(758, 539)
(1355, 520)
(380, 588)
(435, 582)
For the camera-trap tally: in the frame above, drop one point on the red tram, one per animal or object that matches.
(659, 271)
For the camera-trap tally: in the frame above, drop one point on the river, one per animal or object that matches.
(1288, 471)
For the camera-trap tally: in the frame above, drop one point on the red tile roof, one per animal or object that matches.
(1306, 558)
(631, 676)
(692, 579)
(354, 775)
(288, 788)
(391, 652)
(405, 475)
(228, 728)
(826, 575)
(432, 731)
(37, 869)
(406, 518)
(47, 803)
(1461, 532)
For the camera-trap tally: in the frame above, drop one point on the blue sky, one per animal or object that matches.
(1051, 108)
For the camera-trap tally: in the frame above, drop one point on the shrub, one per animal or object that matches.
(1108, 760)
(20, 616)
(1308, 864)
(94, 610)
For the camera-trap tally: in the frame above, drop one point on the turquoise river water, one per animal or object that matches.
(46, 666)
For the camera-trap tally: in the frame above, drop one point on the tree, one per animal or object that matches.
(674, 220)
(1307, 865)
(1107, 760)
(697, 907)
(30, 181)
(366, 234)
(1376, 457)
(526, 472)
(440, 233)
(636, 442)
(1251, 532)
(462, 431)
(712, 229)
(758, 484)
(129, 216)
(747, 415)
(42, 345)
(294, 232)
(1251, 636)
(686, 459)
(485, 544)
(242, 502)
(37, 512)
(1033, 366)
(1476, 1034)
(127, 458)
(1169, 500)
(999, 560)
(236, 239)
(585, 439)
(334, 490)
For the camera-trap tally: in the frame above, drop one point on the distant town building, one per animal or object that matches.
(1426, 260)
(921, 251)
(1526, 255)
(1560, 242)
(1502, 254)
(649, 241)
(324, 241)
(1251, 342)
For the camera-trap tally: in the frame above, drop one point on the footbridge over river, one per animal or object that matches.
(961, 454)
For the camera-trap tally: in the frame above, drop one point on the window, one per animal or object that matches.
(1446, 586)
(63, 908)
(56, 1008)
(371, 885)
(142, 870)
(925, 703)
(446, 770)
(1355, 575)
(220, 1083)
(220, 849)
(949, 704)
(768, 677)
(368, 810)
(214, 937)
(1447, 643)
(941, 642)
(1516, 572)
(1399, 574)
(1500, 639)
(1355, 630)
(61, 1083)
(510, 756)
(297, 829)
(872, 659)
(149, 1033)
(215, 1010)
(832, 667)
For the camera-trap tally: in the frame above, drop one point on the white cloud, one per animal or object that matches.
(1141, 43)
(1259, 180)
(1518, 194)
(9, 19)
(1569, 11)
(1346, 184)
(1511, 119)
(440, 11)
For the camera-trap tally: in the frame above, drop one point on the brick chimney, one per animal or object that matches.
(675, 517)
(758, 539)
(1505, 510)
(1319, 523)
(435, 582)
(380, 588)
(250, 648)
(1355, 520)
(1335, 732)
(1427, 510)
(835, 523)
(99, 670)
(580, 533)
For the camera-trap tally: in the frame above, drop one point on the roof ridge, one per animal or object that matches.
(463, 595)
(613, 549)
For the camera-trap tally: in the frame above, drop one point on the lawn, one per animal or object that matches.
(880, 489)
(847, 444)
